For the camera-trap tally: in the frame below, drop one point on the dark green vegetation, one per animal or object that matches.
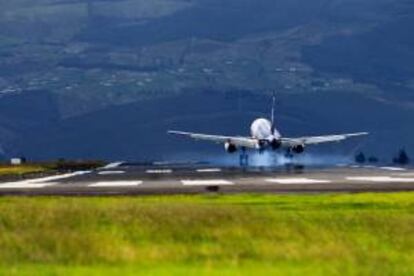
(363, 234)
(65, 63)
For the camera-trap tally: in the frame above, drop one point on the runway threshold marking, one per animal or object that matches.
(166, 171)
(209, 170)
(297, 181)
(206, 182)
(116, 184)
(382, 179)
(110, 172)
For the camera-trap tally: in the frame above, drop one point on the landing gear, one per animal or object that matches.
(290, 164)
(289, 158)
(244, 158)
(289, 154)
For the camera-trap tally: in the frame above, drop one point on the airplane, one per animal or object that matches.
(265, 136)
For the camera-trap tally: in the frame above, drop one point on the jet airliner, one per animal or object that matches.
(265, 136)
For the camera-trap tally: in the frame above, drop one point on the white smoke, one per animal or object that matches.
(271, 159)
(265, 159)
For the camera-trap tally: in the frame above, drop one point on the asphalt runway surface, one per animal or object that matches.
(130, 179)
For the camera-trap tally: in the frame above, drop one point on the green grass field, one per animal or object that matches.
(21, 170)
(360, 234)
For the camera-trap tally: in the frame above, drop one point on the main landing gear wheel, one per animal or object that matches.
(289, 159)
(289, 154)
(244, 158)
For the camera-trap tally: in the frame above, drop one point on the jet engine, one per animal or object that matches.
(230, 148)
(298, 148)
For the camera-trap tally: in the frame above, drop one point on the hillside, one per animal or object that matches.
(99, 78)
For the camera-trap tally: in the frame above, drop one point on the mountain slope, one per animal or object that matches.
(106, 79)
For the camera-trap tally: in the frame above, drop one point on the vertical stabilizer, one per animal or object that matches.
(272, 115)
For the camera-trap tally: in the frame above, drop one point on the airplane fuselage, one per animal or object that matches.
(262, 129)
(265, 133)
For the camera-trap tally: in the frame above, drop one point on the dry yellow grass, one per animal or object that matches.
(19, 170)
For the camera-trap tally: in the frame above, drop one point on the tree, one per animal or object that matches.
(360, 158)
(402, 158)
(373, 159)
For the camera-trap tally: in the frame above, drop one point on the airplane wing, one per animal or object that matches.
(235, 140)
(313, 140)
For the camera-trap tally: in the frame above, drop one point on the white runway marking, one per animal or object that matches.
(404, 174)
(113, 165)
(209, 170)
(206, 182)
(110, 172)
(116, 184)
(57, 177)
(393, 169)
(25, 185)
(40, 182)
(382, 179)
(159, 171)
(297, 181)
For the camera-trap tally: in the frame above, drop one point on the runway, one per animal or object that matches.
(131, 179)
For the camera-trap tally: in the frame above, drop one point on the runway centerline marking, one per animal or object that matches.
(209, 170)
(382, 179)
(393, 169)
(297, 181)
(403, 174)
(116, 184)
(206, 182)
(110, 172)
(166, 171)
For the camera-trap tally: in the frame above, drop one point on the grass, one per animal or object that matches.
(49, 167)
(361, 234)
(21, 170)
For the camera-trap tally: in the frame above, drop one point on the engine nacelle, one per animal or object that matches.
(230, 148)
(298, 148)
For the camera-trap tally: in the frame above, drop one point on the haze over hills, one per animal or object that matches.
(106, 79)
